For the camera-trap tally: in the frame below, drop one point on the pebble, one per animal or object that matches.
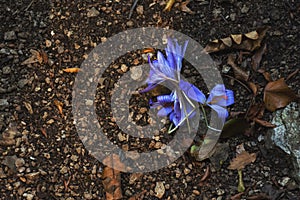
(140, 10)
(10, 35)
(87, 196)
(245, 9)
(22, 83)
(129, 23)
(136, 73)
(19, 162)
(6, 70)
(3, 103)
(93, 12)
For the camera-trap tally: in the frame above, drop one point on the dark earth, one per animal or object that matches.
(43, 157)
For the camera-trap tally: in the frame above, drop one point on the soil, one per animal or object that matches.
(41, 154)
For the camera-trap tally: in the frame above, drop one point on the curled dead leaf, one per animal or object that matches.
(256, 58)
(248, 41)
(239, 73)
(277, 95)
(36, 56)
(241, 160)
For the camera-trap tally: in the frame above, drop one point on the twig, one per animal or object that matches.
(132, 8)
(239, 82)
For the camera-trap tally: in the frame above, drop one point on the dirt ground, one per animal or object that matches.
(41, 155)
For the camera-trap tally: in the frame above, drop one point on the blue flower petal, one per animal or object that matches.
(162, 99)
(164, 111)
(222, 112)
(192, 91)
(230, 97)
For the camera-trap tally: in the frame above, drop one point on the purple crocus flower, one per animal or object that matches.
(219, 98)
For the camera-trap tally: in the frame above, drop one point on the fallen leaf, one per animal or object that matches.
(234, 127)
(253, 87)
(241, 160)
(184, 8)
(277, 95)
(256, 58)
(264, 123)
(249, 41)
(112, 177)
(36, 56)
(255, 111)
(169, 5)
(239, 73)
(72, 70)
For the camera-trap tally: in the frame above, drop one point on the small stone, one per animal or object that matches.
(93, 12)
(159, 189)
(74, 158)
(6, 70)
(124, 68)
(10, 35)
(140, 10)
(60, 49)
(186, 171)
(220, 192)
(136, 73)
(196, 192)
(22, 83)
(19, 162)
(284, 181)
(158, 145)
(129, 23)
(89, 102)
(4, 103)
(87, 196)
(232, 16)
(64, 170)
(245, 9)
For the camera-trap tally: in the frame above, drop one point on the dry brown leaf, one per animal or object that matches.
(184, 8)
(112, 177)
(36, 56)
(256, 58)
(253, 35)
(237, 38)
(239, 73)
(256, 111)
(264, 123)
(248, 41)
(72, 70)
(277, 95)
(169, 5)
(241, 160)
(253, 87)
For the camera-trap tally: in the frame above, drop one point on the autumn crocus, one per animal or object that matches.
(219, 98)
(178, 105)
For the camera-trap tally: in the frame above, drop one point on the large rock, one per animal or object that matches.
(287, 134)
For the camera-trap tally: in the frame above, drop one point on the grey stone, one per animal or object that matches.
(22, 83)
(10, 35)
(3, 103)
(6, 70)
(286, 135)
(93, 12)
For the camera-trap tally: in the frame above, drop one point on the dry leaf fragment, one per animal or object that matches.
(36, 56)
(169, 5)
(253, 87)
(248, 41)
(239, 73)
(241, 160)
(277, 95)
(184, 8)
(237, 38)
(252, 35)
(72, 70)
(264, 123)
(256, 58)
(112, 177)
(59, 106)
